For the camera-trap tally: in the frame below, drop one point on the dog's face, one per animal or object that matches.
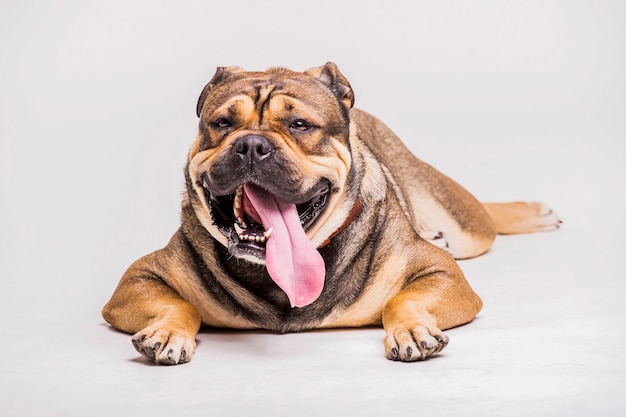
(270, 166)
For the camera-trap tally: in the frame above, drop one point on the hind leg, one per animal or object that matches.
(522, 217)
(440, 228)
(464, 230)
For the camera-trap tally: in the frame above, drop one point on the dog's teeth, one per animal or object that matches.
(205, 184)
(250, 236)
(238, 197)
(241, 222)
(238, 207)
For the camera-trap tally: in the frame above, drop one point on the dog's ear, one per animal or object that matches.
(221, 74)
(330, 75)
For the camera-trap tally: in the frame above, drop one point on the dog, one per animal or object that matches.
(301, 212)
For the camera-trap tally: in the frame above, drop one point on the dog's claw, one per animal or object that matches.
(164, 347)
(394, 354)
(414, 344)
(443, 341)
(150, 351)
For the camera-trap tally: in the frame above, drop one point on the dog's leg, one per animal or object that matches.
(464, 236)
(522, 217)
(414, 319)
(164, 325)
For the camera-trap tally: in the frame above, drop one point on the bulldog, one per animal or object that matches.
(301, 212)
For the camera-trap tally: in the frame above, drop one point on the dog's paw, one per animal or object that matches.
(164, 346)
(522, 217)
(545, 218)
(414, 344)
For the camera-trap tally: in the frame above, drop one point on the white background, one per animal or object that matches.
(514, 100)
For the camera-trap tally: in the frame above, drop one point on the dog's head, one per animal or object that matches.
(269, 170)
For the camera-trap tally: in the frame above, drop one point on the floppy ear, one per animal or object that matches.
(221, 74)
(329, 74)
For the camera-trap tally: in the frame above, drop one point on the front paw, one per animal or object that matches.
(164, 346)
(414, 344)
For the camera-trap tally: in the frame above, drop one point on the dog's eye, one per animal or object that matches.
(221, 123)
(300, 126)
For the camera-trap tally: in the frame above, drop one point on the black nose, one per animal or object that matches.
(253, 148)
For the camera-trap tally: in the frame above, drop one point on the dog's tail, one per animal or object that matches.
(522, 217)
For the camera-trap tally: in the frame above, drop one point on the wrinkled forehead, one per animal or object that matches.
(291, 90)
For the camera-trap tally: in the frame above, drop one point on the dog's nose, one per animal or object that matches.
(253, 148)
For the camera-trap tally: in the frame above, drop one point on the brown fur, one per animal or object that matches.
(391, 263)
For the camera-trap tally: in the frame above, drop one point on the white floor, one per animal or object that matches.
(515, 102)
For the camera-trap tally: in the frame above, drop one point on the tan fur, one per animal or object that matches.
(391, 264)
(522, 217)
(431, 196)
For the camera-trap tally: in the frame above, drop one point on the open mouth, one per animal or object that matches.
(237, 218)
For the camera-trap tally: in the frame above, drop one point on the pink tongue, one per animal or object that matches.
(291, 260)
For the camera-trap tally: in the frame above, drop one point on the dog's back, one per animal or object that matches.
(440, 210)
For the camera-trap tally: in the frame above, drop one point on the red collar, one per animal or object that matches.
(356, 210)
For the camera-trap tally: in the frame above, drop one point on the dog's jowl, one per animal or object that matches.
(302, 212)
